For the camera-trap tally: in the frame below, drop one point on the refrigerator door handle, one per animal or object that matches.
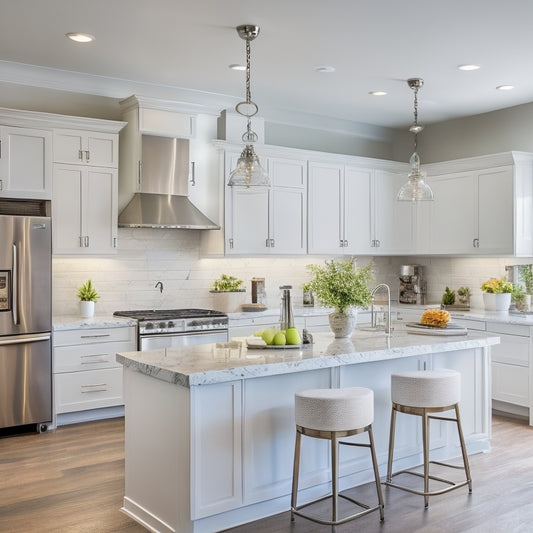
(24, 339)
(15, 286)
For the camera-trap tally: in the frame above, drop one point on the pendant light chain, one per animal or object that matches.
(416, 117)
(248, 92)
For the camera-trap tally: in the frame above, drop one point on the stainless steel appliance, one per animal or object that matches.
(412, 285)
(178, 327)
(25, 319)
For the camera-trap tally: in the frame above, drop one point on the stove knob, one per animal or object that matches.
(162, 325)
(148, 325)
(171, 324)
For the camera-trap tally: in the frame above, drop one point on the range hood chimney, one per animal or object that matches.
(163, 201)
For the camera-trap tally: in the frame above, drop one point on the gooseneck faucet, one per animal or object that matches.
(372, 315)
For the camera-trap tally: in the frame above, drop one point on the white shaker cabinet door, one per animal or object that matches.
(358, 211)
(66, 209)
(25, 163)
(287, 221)
(86, 148)
(325, 210)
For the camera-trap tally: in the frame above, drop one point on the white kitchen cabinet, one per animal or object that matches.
(86, 148)
(84, 209)
(482, 206)
(354, 210)
(25, 163)
(86, 374)
(269, 221)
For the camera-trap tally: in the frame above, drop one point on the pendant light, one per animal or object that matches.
(249, 172)
(416, 189)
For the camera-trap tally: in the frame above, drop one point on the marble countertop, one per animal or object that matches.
(201, 365)
(67, 322)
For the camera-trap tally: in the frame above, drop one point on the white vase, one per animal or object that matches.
(343, 324)
(228, 302)
(86, 309)
(497, 302)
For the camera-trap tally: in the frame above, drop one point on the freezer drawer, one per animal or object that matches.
(25, 380)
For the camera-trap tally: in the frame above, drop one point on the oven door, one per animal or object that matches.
(154, 342)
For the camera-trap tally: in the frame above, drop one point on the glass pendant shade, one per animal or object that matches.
(416, 189)
(249, 172)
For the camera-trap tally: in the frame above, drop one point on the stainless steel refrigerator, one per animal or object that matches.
(25, 321)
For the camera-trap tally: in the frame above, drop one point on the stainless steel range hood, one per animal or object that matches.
(163, 201)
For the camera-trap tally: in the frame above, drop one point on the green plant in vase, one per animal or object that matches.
(88, 296)
(448, 298)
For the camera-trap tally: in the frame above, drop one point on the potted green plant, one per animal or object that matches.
(464, 296)
(448, 298)
(341, 285)
(228, 294)
(518, 298)
(88, 297)
(497, 294)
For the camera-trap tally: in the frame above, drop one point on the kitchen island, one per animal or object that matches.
(209, 442)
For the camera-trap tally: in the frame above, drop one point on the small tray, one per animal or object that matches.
(425, 329)
(283, 346)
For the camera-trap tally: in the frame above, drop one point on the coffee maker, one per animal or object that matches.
(412, 285)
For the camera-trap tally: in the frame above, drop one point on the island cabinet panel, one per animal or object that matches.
(216, 482)
(269, 434)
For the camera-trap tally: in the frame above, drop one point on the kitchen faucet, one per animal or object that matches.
(160, 285)
(372, 315)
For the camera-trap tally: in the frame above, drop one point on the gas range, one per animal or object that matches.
(177, 321)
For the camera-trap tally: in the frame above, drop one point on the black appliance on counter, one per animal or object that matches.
(165, 328)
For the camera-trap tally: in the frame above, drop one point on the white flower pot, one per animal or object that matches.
(497, 302)
(86, 309)
(228, 302)
(343, 324)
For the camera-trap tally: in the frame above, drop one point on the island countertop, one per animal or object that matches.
(198, 365)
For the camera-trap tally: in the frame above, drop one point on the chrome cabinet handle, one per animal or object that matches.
(272, 243)
(80, 155)
(193, 173)
(96, 336)
(98, 387)
(230, 242)
(475, 243)
(14, 285)
(87, 155)
(267, 243)
(1, 185)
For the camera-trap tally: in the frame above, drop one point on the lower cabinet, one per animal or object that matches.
(86, 374)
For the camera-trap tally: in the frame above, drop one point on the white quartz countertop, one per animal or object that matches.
(67, 322)
(197, 365)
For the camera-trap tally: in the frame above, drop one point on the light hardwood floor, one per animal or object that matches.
(72, 480)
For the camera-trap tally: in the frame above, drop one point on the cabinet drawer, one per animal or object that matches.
(89, 357)
(512, 349)
(510, 329)
(91, 336)
(93, 389)
(510, 383)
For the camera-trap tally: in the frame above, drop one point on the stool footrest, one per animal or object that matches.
(366, 510)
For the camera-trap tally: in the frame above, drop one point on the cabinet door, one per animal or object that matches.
(357, 210)
(495, 211)
(324, 212)
(66, 209)
(26, 163)
(393, 220)
(99, 210)
(246, 221)
(86, 148)
(450, 220)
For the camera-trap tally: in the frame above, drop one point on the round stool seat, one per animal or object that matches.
(334, 409)
(426, 388)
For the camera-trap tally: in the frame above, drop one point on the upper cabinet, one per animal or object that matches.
(86, 148)
(268, 221)
(353, 210)
(479, 211)
(25, 163)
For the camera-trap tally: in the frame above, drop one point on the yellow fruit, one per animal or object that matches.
(268, 335)
(258, 334)
(292, 336)
(279, 339)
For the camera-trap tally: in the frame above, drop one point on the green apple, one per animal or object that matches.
(293, 336)
(268, 335)
(279, 339)
(258, 333)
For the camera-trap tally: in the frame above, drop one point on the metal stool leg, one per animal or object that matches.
(391, 443)
(295, 472)
(463, 448)
(334, 477)
(425, 441)
(376, 474)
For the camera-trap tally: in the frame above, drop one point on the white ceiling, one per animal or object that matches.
(170, 45)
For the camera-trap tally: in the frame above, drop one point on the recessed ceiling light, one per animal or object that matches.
(505, 87)
(80, 37)
(324, 69)
(237, 67)
(378, 93)
(468, 67)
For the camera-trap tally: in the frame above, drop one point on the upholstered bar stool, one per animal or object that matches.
(423, 393)
(333, 414)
